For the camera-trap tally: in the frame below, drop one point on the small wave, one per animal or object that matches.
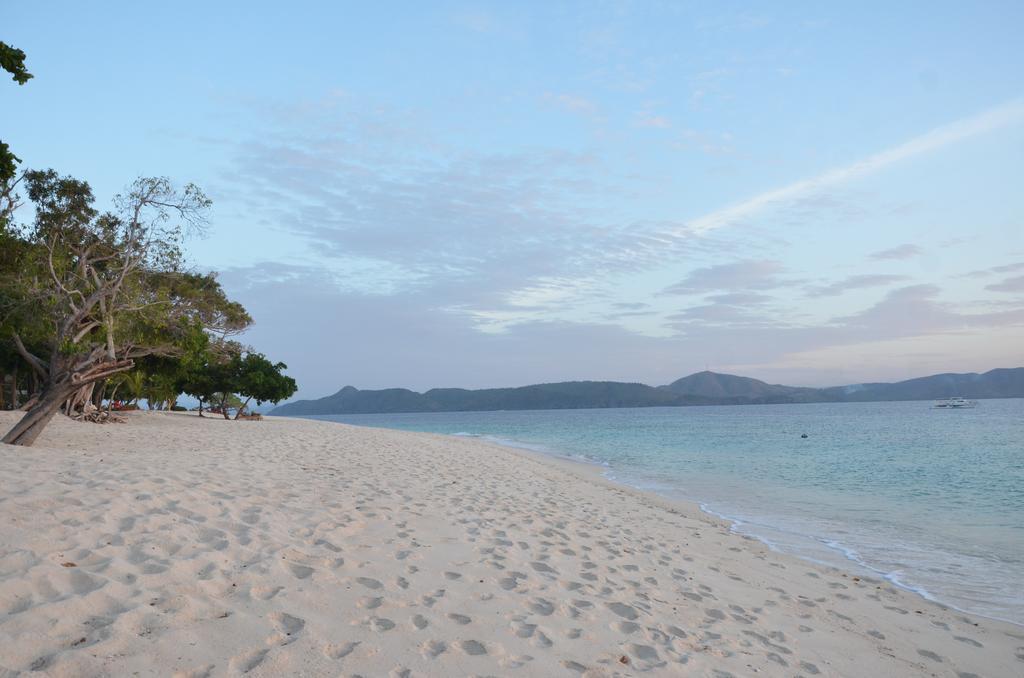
(848, 553)
(894, 577)
(533, 447)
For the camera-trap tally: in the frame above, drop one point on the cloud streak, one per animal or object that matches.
(854, 282)
(735, 276)
(940, 137)
(905, 251)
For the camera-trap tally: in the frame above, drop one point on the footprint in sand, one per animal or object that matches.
(288, 628)
(810, 668)
(644, 652)
(247, 661)
(380, 624)
(523, 630)
(370, 583)
(341, 651)
(432, 648)
(541, 606)
(300, 571)
(472, 647)
(265, 592)
(543, 568)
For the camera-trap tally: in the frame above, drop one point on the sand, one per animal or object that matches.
(173, 545)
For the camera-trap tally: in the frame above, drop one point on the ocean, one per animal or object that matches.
(930, 499)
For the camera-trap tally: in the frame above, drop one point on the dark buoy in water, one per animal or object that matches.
(803, 435)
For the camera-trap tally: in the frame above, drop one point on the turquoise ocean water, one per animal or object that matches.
(932, 500)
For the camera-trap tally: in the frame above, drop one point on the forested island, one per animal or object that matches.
(702, 388)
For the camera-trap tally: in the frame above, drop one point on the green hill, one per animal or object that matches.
(702, 388)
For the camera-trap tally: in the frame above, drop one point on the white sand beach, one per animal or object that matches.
(171, 545)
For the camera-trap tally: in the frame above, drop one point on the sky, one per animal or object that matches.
(496, 194)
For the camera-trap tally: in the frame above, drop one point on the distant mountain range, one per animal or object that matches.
(702, 388)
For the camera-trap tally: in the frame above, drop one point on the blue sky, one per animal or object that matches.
(491, 194)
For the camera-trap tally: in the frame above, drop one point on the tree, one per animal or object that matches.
(256, 378)
(229, 370)
(12, 60)
(103, 285)
(135, 383)
(198, 383)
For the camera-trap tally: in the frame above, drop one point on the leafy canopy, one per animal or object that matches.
(12, 60)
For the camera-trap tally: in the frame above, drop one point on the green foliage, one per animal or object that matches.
(82, 289)
(231, 370)
(116, 278)
(258, 379)
(12, 60)
(8, 164)
(85, 295)
(204, 374)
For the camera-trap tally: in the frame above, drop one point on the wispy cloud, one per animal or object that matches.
(1015, 284)
(940, 137)
(854, 282)
(712, 144)
(905, 251)
(653, 121)
(508, 243)
(987, 272)
(735, 276)
(571, 102)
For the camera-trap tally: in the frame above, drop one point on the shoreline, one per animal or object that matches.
(845, 558)
(207, 547)
(596, 471)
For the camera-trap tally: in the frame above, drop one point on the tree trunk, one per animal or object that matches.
(110, 400)
(242, 408)
(57, 391)
(81, 402)
(14, 389)
(97, 397)
(38, 416)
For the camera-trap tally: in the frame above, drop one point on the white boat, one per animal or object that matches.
(955, 403)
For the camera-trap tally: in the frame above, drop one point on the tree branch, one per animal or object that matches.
(38, 366)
